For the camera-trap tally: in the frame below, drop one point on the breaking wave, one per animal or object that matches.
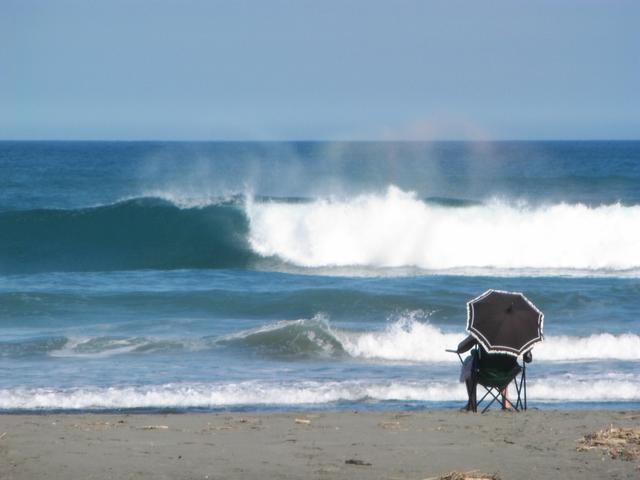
(412, 339)
(384, 231)
(409, 338)
(398, 229)
(312, 393)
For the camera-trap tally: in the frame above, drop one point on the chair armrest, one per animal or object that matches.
(466, 344)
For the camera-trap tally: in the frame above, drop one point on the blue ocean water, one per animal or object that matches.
(216, 276)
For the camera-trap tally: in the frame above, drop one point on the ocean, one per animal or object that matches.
(214, 276)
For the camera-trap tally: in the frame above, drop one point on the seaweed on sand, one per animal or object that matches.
(473, 475)
(623, 443)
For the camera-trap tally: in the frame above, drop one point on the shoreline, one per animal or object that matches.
(324, 444)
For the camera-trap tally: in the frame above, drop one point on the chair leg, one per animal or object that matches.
(521, 389)
(471, 393)
(519, 392)
(524, 379)
(496, 394)
(494, 397)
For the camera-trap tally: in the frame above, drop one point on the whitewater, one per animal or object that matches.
(397, 229)
(310, 395)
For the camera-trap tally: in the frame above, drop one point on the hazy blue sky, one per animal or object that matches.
(196, 69)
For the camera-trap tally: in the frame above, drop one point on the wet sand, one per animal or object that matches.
(327, 445)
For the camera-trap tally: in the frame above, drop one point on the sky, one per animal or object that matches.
(319, 70)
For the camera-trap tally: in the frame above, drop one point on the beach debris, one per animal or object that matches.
(2, 435)
(252, 423)
(472, 475)
(91, 426)
(212, 428)
(390, 425)
(623, 443)
(355, 461)
(402, 415)
(154, 427)
(303, 421)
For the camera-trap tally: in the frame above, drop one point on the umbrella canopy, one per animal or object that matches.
(505, 322)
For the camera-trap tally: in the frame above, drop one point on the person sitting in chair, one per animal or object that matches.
(488, 363)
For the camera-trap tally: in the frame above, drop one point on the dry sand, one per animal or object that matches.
(327, 445)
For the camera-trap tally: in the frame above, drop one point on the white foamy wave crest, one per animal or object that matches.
(409, 339)
(221, 395)
(601, 346)
(300, 393)
(414, 341)
(404, 340)
(586, 389)
(397, 229)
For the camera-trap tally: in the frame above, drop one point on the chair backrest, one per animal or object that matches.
(498, 361)
(495, 369)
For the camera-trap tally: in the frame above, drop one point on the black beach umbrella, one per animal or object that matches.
(504, 322)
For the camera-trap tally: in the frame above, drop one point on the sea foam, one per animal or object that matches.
(186, 396)
(397, 229)
(414, 341)
(409, 338)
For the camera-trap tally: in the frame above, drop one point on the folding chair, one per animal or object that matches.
(494, 376)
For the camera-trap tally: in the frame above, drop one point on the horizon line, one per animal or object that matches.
(178, 140)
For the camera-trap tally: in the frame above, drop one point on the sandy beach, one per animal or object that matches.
(349, 445)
